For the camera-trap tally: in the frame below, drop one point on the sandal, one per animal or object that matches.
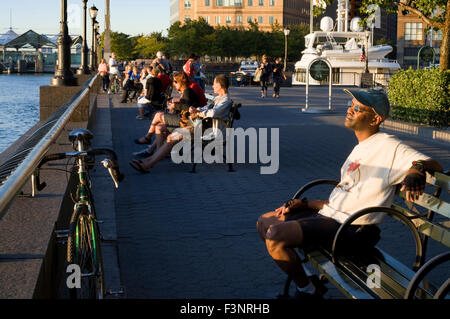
(148, 140)
(136, 164)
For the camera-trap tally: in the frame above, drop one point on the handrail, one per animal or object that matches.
(15, 182)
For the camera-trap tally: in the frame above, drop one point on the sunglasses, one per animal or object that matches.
(358, 108)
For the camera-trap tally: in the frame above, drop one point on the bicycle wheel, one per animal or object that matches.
(83, 249)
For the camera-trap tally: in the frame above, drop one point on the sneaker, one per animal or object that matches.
(109, 92)
(274, 95)
(321, 289)
(262, 95)
(143, 154)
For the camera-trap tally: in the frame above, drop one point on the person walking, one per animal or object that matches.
(277, 74)
(103, 71)
(266, 70)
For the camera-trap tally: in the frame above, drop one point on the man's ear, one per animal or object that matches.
(377, 120)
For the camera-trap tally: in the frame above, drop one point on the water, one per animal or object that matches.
(19, 105)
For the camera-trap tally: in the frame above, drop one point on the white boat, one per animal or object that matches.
(344, 51)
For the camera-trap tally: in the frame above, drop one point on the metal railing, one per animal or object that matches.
(19, 166)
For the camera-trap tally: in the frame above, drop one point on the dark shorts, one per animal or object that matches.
(172, 121)
(320, 230)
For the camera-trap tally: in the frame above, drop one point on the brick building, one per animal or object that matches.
(237, 13)
(411, 36)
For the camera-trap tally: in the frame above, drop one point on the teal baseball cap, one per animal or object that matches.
(375, 99)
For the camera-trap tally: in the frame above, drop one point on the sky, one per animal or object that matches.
(132, 17)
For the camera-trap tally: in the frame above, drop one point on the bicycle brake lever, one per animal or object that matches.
(113, 171)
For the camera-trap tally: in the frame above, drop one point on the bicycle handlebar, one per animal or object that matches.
(110, 163)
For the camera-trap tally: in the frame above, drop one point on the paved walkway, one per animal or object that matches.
(183, 235)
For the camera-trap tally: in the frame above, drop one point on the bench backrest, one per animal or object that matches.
(426, 222)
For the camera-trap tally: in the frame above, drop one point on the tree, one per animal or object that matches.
(147, 46)
(434, 13)
(122, 46)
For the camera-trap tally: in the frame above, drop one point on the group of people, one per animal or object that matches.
(132, 78)
(184, 113)
(274, 70)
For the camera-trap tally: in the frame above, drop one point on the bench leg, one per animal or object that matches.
(230, 168)
(193, 168)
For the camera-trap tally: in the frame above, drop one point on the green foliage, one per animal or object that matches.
(421, 96)
(147, 46)
(122, 45)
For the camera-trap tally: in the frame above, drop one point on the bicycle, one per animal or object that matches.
(83, 235)
(115, 85)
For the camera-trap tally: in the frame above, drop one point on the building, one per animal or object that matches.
(238, 13)
(174, 11)
(411, 36)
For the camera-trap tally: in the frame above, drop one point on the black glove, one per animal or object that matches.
(414, 182)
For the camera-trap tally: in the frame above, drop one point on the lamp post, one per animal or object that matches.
(63, 74)
(286, 33)
(96, 45)
(366, 60)
(93, 13)
(84, 69)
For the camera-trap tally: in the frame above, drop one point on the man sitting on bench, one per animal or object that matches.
(368, 178)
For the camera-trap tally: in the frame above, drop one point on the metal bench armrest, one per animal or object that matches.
(389, 211)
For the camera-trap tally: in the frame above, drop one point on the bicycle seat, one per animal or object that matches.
(80, 134)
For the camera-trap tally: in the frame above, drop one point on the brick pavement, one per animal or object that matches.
(183, 235)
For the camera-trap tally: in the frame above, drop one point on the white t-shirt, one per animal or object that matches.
(368, 177)
(113, 69)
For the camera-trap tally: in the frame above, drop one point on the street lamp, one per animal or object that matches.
(366, 60)
(93, 11)
(63, 74)
(84, 69)
(286, 33)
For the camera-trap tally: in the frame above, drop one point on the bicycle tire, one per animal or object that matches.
(83, 249)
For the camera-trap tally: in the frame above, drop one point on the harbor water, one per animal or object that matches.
(19, 105)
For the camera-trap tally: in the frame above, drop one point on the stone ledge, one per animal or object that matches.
(423, 131)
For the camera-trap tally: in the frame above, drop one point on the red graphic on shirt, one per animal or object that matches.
(353, 167)
(352, 176)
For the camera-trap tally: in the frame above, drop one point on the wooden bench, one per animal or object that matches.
(427, 218)
(215, 123)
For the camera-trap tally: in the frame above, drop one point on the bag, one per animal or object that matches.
(257, 76)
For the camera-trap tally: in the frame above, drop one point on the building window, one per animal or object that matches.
(207, 19)
(187, 18)
(413, 31)
(217, 19)
(271, 20)
(206, 3)
(187, 4)
(228, 3)
(261, 3)
(271, 3)
(227, 19)
(260, 19)
(250, 3)
(249, 19)
(239, 19)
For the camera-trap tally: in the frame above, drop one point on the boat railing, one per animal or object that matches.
(21, 164)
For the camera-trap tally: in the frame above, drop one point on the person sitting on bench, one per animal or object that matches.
(368, 178)
(220, 107)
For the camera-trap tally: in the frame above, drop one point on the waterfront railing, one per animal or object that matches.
(20, 166)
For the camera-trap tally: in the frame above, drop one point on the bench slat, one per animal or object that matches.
(439, 180)
(340, 280)
(435, 231)
(430, 202)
